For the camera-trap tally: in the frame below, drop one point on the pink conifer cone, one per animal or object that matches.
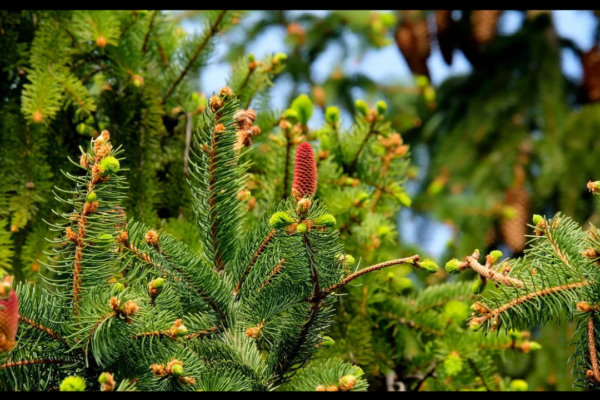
(305, 172)
(9, 321)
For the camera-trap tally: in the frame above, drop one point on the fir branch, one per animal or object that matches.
(40, 327)
(201, 333)
(259, 251)
(478, 373)
(273, 272)
(145, 45)
(24, 363)
(592, 345)
(212, 31)
(286, 168)
(413, 260)
(487, 272)
(412, 324)
(354, 162)
(529, 296)
(188, 142)
(98, 323)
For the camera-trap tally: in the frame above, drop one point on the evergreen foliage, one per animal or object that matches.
(65, 76)
(556, 280)
(137, 307)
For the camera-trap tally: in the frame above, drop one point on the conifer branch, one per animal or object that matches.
(487, 272)
(98, 323)
(592, 345)
(412, 324)
(145, 45)
(478, 373)
(212, 31)
(24, 363)
(354, 162)
(527, 297)
(80, 245)
(286, 169)
(259, 251)
(40, 327)
(413, 260)
(273, 272)
(200, 333)
(188, 142)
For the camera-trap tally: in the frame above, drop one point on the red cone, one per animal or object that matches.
(305, 172)
(9, 321)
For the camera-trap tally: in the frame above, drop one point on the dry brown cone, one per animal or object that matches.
(590, 61)
(484, 23)
(513, 230)
(412, 38)
(444, 23)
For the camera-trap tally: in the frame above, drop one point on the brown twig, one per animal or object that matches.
(212, 31)
(188, 142)
(487, 272)
(97, 324)
(145, 45)
(478, 373)
(40, 327)
(200, 333)
(592, 345)
(261, 249)
(352, 166)
(286, 169)
(32, 362)
(413, 260)
(273, 272)
(529, 296)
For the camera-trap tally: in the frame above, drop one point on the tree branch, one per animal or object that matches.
(527, 297)
(211, 33)
(257, 253)
(40, 327)
(145, 45)
(592, 345)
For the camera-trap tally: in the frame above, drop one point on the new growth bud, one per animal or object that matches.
(362, 107)
(301, 228)
(428, 266)
(537, 219)
(72, 384)
(109, 165)
(381, 107)
(91, 197)
(332, 115)
(479, 285)
(327, 220)
(280, 219)
(452, 267)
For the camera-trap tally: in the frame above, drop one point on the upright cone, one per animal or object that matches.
(514, 229)
(9, 321)
(305, 172)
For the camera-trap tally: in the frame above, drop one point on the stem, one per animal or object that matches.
(40, 327)
(408, 260)
(489, 273)
(145, 45)
(287, 165)
(273, 272)
(530, 296)
(592, 344)
(212, 31)
(429, 373)
(259, 251)
(32, 362)
(352, 166)
(478, 373)
(188, 142)
(246, 80)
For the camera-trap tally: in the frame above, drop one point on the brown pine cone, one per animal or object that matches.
(590, 61)
(513, 230)
(484, 23)
(412, 38)
(444, 24)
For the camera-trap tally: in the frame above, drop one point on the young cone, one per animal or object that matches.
(305, 172)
